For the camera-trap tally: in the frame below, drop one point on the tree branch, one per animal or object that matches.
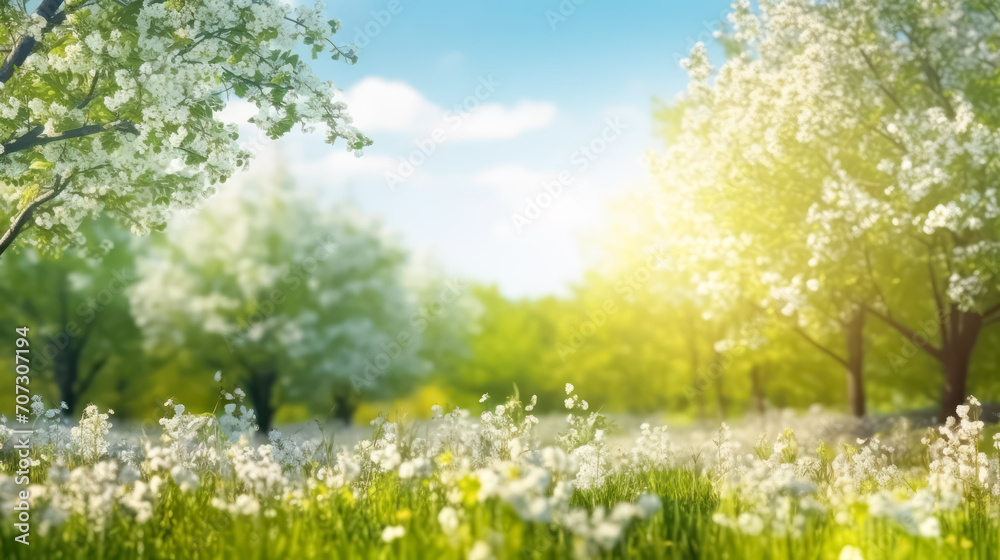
(90, 94)
(95, 368)
(888, 137)
(913, 336)
(49, 10)
(990, 311)
(871, 276)
(943, 314)
(987, 321)
(934, 81)
(34, 137)
(878, 78)
(24, 218)
(820, 347)
(29, 137)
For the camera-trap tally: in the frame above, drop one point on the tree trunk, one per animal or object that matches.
(260, 388)
(757, 388)
(854, 330)
(697, 387)
(955, 358)
(66, 367)
(344, 407)
(959, 334)
(66, 363)
(720, 384)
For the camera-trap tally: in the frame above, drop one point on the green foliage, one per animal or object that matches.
(84, 342)
(336, 524)
(113, 108)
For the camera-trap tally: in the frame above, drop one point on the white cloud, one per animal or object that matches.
(341, 164)
(511, 181)
(381, 105)
(493, 121)
(507, 175)
(339, 168)
(378, 104)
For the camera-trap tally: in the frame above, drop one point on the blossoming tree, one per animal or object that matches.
(83, 330)
(869, 127)
(306, 302)
(663, 249)
(115, 107)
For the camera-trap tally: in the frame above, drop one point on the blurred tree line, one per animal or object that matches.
(314, 310)
(626, 339)
(821, 226)
(765, 265)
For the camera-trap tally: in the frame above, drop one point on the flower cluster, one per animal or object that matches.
(118, 108)
(460, 462)
(859, 134)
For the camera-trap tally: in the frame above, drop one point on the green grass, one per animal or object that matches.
(332, 524)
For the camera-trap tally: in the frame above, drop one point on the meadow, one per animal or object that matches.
(789, 223)
(464, 485)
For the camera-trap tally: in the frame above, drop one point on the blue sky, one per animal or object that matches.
(547, 92)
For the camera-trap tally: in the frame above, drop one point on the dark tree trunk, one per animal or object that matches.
(854, 330)
(344, 407)
(66, 367)
(260, 388)
(66, 363)
(955, 358)
(757, 388)
(959, 335)
(125, 401)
